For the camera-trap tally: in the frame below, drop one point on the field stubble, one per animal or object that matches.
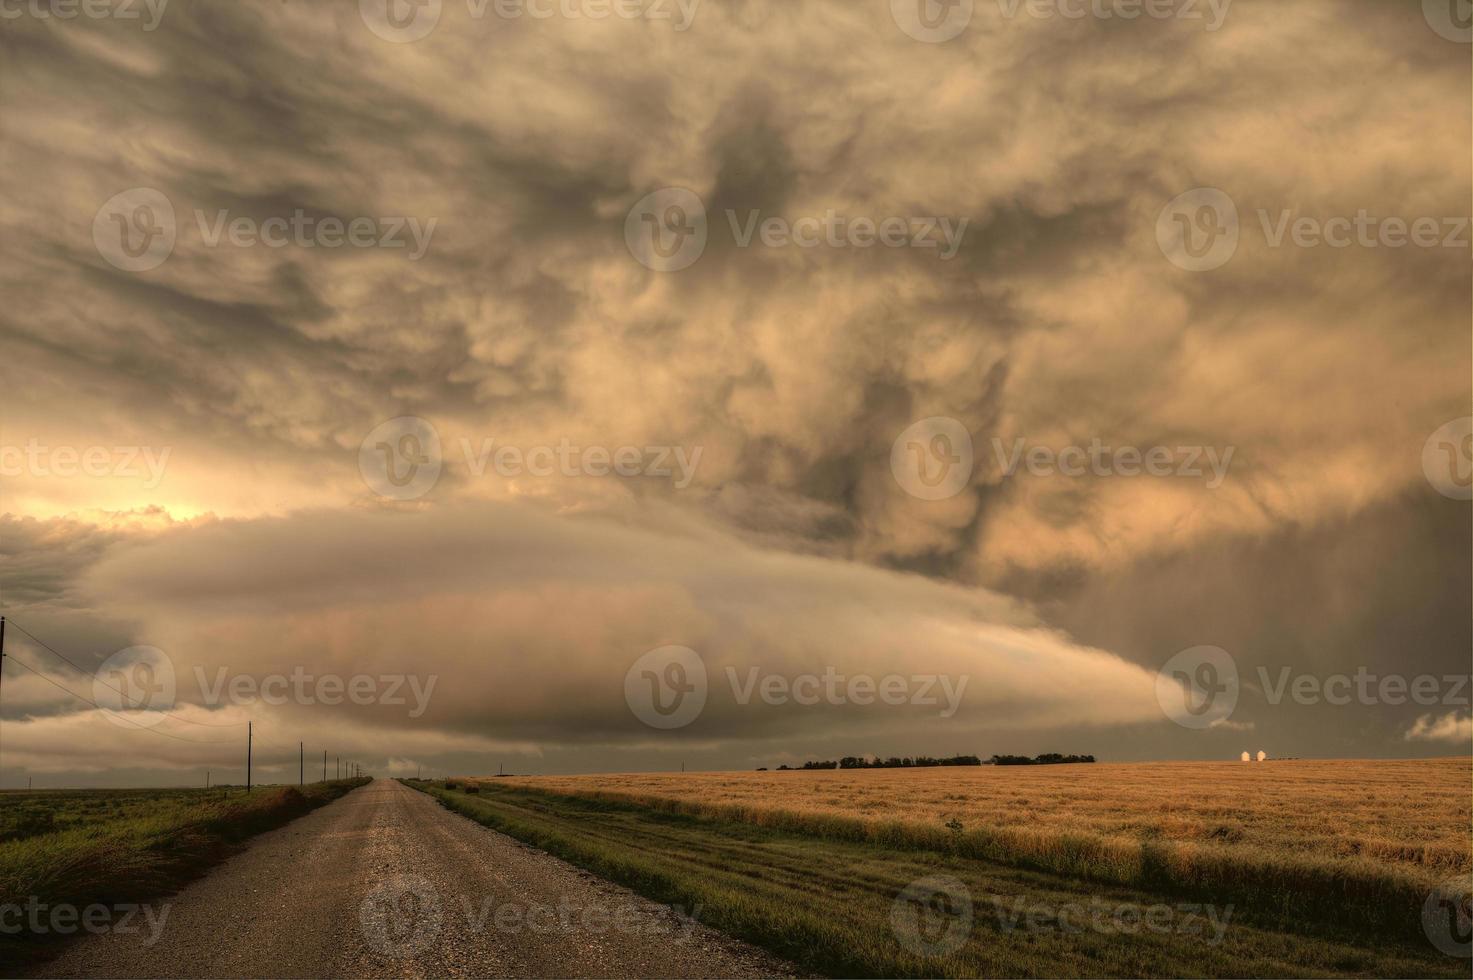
(1364, 841)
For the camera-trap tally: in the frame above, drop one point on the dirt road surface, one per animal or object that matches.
(386, 883)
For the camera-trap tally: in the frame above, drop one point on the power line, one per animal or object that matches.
(180, 738)
(93, 674)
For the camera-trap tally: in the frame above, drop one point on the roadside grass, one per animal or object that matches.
(85, 847)
(825, 903)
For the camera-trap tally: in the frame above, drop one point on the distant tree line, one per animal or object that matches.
(1047, 759)
(894, 762)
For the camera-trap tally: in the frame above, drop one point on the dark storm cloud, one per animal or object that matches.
(1059, 320)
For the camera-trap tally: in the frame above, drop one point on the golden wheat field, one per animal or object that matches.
(1403, 816)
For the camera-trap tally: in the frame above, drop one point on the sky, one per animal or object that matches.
(622, 385)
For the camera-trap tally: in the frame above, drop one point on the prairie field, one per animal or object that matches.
(1410, 815)
(1309, 869)
(1361, 841)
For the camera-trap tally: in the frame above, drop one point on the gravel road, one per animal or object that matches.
(386, 883)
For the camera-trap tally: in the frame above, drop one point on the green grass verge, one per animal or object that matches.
(825, 903)
(116, 847)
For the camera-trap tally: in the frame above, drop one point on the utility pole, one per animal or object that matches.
(207, 779)
(248, 757)
(301, 763)
(337, 767)
(324, 765)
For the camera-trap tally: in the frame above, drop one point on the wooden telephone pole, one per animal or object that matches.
(248, 757)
